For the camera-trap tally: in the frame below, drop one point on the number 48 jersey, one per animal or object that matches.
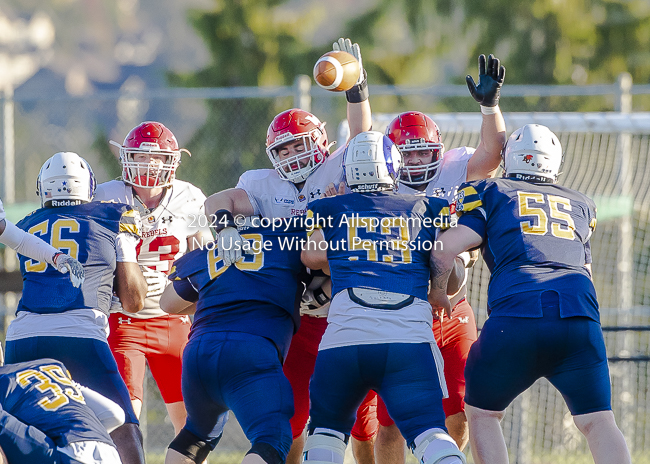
(535, 237)
(165, 229)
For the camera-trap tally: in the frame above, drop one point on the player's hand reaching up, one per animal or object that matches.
(346, 45)
(332, 191)
(65, 263)
(490, 80)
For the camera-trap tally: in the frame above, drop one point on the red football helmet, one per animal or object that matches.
(413, 131)
(150, 138)
(297, 125)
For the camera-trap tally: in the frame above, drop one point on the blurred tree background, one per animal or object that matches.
(405, 42)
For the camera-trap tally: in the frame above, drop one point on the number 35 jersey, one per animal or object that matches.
(40, 393)
(535, 238)
(165, 229)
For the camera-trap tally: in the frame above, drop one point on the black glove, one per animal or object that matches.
(490, 80)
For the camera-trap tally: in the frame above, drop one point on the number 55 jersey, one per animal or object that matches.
(535, 238)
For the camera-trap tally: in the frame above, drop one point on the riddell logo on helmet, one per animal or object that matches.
(281, 137)
(150, 145)
(65, 202)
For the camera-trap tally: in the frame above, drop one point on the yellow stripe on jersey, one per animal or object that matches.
(592, 224)
(130, 222)
(467, 200)
(312, 225)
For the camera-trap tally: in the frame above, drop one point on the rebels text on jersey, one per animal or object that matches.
(451, 173)
(165, 229)
(273, 197)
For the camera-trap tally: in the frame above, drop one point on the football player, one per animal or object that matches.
(298, 147)
(238, 342)
(431, 171)
(35, 248)
(47, 418)
(56, 320)
(171, 210)
(544, 319)
(377, 246)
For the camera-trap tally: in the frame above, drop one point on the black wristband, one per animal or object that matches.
(358, 93)
(321, 297)
(223, 219)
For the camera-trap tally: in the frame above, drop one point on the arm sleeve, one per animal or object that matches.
(186, 290)
(475, 220)
(126, 248)
(109, 413)
(248, 186)
(27, 244)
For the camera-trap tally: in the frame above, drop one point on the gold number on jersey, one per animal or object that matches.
(383, 226)
(39, 230)
(251, 262)
(540, 226)
(48, 380)
(56, 240)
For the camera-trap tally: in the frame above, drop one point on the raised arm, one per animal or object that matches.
(487, 157)
(358, 110)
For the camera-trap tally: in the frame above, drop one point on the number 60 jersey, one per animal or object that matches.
(165, 229)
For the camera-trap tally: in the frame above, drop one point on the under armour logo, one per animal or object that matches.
(166, 219)
(185, 319)
(314, 195)
(463, 320)
(126, 320)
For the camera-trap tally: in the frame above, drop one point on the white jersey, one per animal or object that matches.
(165, 229)
(451, 173)
(2, 211)
(273, 197)
(276, 198)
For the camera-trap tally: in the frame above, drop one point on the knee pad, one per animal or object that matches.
(191, 446)
(325, 446)
(434, 445)
(269, 454)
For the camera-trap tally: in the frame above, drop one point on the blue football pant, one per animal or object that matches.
(404, 375)
(240, 372)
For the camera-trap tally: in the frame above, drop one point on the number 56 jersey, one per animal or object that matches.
(535, 238)
(165, 229)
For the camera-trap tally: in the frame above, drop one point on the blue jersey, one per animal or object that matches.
(381, 241)
(258, 295)
(535, 238)
(40, 393)
(87, 232)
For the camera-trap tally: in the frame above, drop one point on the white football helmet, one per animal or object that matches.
(65, 179)
(371, 163)
(533, 153)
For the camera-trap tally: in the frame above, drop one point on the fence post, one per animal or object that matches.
(625, 257)
(302, 97)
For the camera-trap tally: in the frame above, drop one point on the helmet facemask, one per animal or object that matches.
(299, 167)
(152, 174)
(419, 174)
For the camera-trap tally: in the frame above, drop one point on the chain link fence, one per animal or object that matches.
(606, 153)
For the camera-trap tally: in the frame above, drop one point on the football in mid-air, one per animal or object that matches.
(336, 71)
